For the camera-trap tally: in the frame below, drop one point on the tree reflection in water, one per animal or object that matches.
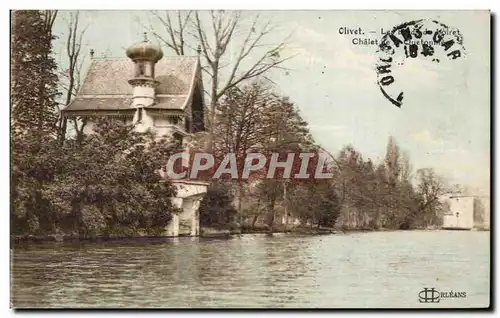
(252, 271)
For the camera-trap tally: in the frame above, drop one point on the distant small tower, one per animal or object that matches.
(144, 55)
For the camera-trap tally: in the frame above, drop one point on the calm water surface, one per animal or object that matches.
(381, 269)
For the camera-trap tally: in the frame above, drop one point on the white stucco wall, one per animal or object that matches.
(162, 127)
(172, 228)
(145, 123)
(88, 128)
(143, 96)
(461, 213)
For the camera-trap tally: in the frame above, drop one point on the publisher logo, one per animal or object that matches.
(431, 295)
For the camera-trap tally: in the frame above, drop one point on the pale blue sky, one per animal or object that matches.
(445, 119)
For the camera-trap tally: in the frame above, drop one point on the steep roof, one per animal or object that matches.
(106, 86)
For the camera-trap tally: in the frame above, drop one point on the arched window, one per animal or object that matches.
(151, 70)
(144, 69)
(140, 69)
(139, 115)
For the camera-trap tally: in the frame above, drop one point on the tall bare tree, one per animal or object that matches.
(224, 28)
(213, 38)
(72, 74)
(175, 29)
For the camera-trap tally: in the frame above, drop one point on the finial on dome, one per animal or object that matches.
(145, 50)
(198, 50)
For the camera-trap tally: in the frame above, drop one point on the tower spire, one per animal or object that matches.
(144, 55)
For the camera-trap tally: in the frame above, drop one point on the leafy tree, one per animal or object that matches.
(107, 184)
(384, 195)
(33, 73)
(34, 117)
(430, 187)
(217, 208)
(252, 118)
(315, 203)
(35, 161)
(392, 162)
(110, 182)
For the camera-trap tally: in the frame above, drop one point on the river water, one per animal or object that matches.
(356, 270)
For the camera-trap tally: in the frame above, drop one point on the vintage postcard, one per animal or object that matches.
(250, 159)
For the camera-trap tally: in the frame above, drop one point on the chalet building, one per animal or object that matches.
(152, 91)
(164, 94)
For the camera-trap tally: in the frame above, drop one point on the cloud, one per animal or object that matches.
(336, 51)
(425, 136)
(322, 48)
(337, 129)
(455, 162)
(417, 75)
(457, 151)
(468, 168)
(303, 55)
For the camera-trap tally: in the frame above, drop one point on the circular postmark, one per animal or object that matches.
(428, 39)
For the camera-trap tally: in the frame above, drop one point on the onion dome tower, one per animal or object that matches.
(144, 55)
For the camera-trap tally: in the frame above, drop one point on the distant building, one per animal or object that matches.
(464, 212)
(460, 215)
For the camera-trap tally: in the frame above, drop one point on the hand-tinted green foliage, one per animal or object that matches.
(33, 70)
(385, 196)
(362, 195)
(217, 208)
(315, 203)
(106, 185)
